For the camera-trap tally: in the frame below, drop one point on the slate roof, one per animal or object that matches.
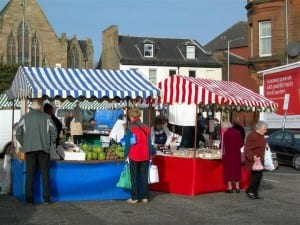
(167, 52)
(238, 30)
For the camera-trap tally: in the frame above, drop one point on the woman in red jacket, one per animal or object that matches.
(139, 156)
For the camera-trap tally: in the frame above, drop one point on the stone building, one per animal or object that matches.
(273, 34)
(27, 38)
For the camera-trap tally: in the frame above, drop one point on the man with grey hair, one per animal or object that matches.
(36, 133)
(255, 149)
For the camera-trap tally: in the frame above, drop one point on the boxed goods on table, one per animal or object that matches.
(200, 153)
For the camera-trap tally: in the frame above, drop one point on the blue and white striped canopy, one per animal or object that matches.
(38, 82)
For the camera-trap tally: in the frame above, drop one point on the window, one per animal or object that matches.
(190, 52)
(35, 49)
(265, 38)
(148, 50)
(152, 75)
(73, 58)
(172, 72)
(11, 50)
(192, 73)
(23, 44)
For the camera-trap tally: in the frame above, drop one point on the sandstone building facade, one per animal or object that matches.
(27, 38)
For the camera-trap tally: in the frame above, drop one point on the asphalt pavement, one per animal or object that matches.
(280, 206)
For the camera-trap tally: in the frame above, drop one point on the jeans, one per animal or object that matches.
(42, 160)
(139, 179)
(256, 177)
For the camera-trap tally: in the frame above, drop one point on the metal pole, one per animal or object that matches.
(286, 28)
(228, 64)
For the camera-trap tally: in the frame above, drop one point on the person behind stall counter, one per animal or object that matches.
(49, 110)
(118, 130)
(160, 134)
(76, 126)
(91, 125)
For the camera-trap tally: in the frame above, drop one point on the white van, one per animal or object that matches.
(6, 125)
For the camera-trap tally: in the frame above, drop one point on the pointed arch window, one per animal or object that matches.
(73, 59)
(11, 49)
(23, 43)
(35, 51)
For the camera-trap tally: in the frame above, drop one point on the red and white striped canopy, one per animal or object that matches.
(190, 90)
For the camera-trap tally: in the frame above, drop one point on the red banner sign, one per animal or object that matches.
(276, 85)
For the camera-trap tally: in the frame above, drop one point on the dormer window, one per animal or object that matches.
(148, 50)
(190, 52)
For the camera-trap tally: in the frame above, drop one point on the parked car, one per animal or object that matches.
(286, 145)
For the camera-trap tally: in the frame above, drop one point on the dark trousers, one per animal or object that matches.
(77, 139)
(255, 180)
(41, 160)
(139, 179)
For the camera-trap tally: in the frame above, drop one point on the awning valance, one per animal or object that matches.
(190, 90)
(38, 82)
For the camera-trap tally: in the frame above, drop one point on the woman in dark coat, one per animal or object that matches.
(231, 147)
(255, 148)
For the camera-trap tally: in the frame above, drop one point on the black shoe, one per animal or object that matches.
(250, 195)
(237, 191)
(229, 191)
(29, 203)
(258, 197)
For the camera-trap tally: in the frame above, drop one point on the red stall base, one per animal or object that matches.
(192, 176)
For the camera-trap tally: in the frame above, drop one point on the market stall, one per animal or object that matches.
(81, 179)
(195, 171)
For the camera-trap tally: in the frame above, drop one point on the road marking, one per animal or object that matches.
(274, 181)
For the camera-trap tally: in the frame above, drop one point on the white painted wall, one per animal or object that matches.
(163, 71)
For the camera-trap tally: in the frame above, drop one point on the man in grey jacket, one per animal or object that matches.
(36, 133)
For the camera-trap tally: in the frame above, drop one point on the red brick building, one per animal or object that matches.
(273, 34)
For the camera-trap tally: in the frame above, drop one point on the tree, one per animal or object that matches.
(7, 74)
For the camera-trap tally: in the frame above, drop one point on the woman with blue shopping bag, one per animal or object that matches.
(138, 154)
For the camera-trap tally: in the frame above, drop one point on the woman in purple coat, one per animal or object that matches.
(231, 147)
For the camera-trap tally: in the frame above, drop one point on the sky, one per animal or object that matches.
(201, 20)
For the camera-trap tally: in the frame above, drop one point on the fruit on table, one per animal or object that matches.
(101, 155)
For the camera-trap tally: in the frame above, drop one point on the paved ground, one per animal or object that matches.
(281, 206)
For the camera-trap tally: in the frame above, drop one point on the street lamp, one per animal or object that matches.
(228, 55)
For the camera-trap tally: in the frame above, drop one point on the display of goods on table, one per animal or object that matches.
(204, 153)
(97, 152)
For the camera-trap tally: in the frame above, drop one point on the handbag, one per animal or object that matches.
(153, 174)
(125, 179)
(268, 161)
(257, 165)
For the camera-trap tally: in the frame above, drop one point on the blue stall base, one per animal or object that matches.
(73, 181)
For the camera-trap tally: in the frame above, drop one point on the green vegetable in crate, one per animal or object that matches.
(101, 155)
(85, 147)
(119, 150)
(94, 156)
(97, 149)
(89, 156)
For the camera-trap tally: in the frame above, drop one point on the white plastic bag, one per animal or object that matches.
(153, 174)
(268, 163)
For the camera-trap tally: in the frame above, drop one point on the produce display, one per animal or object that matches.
(97, 152)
